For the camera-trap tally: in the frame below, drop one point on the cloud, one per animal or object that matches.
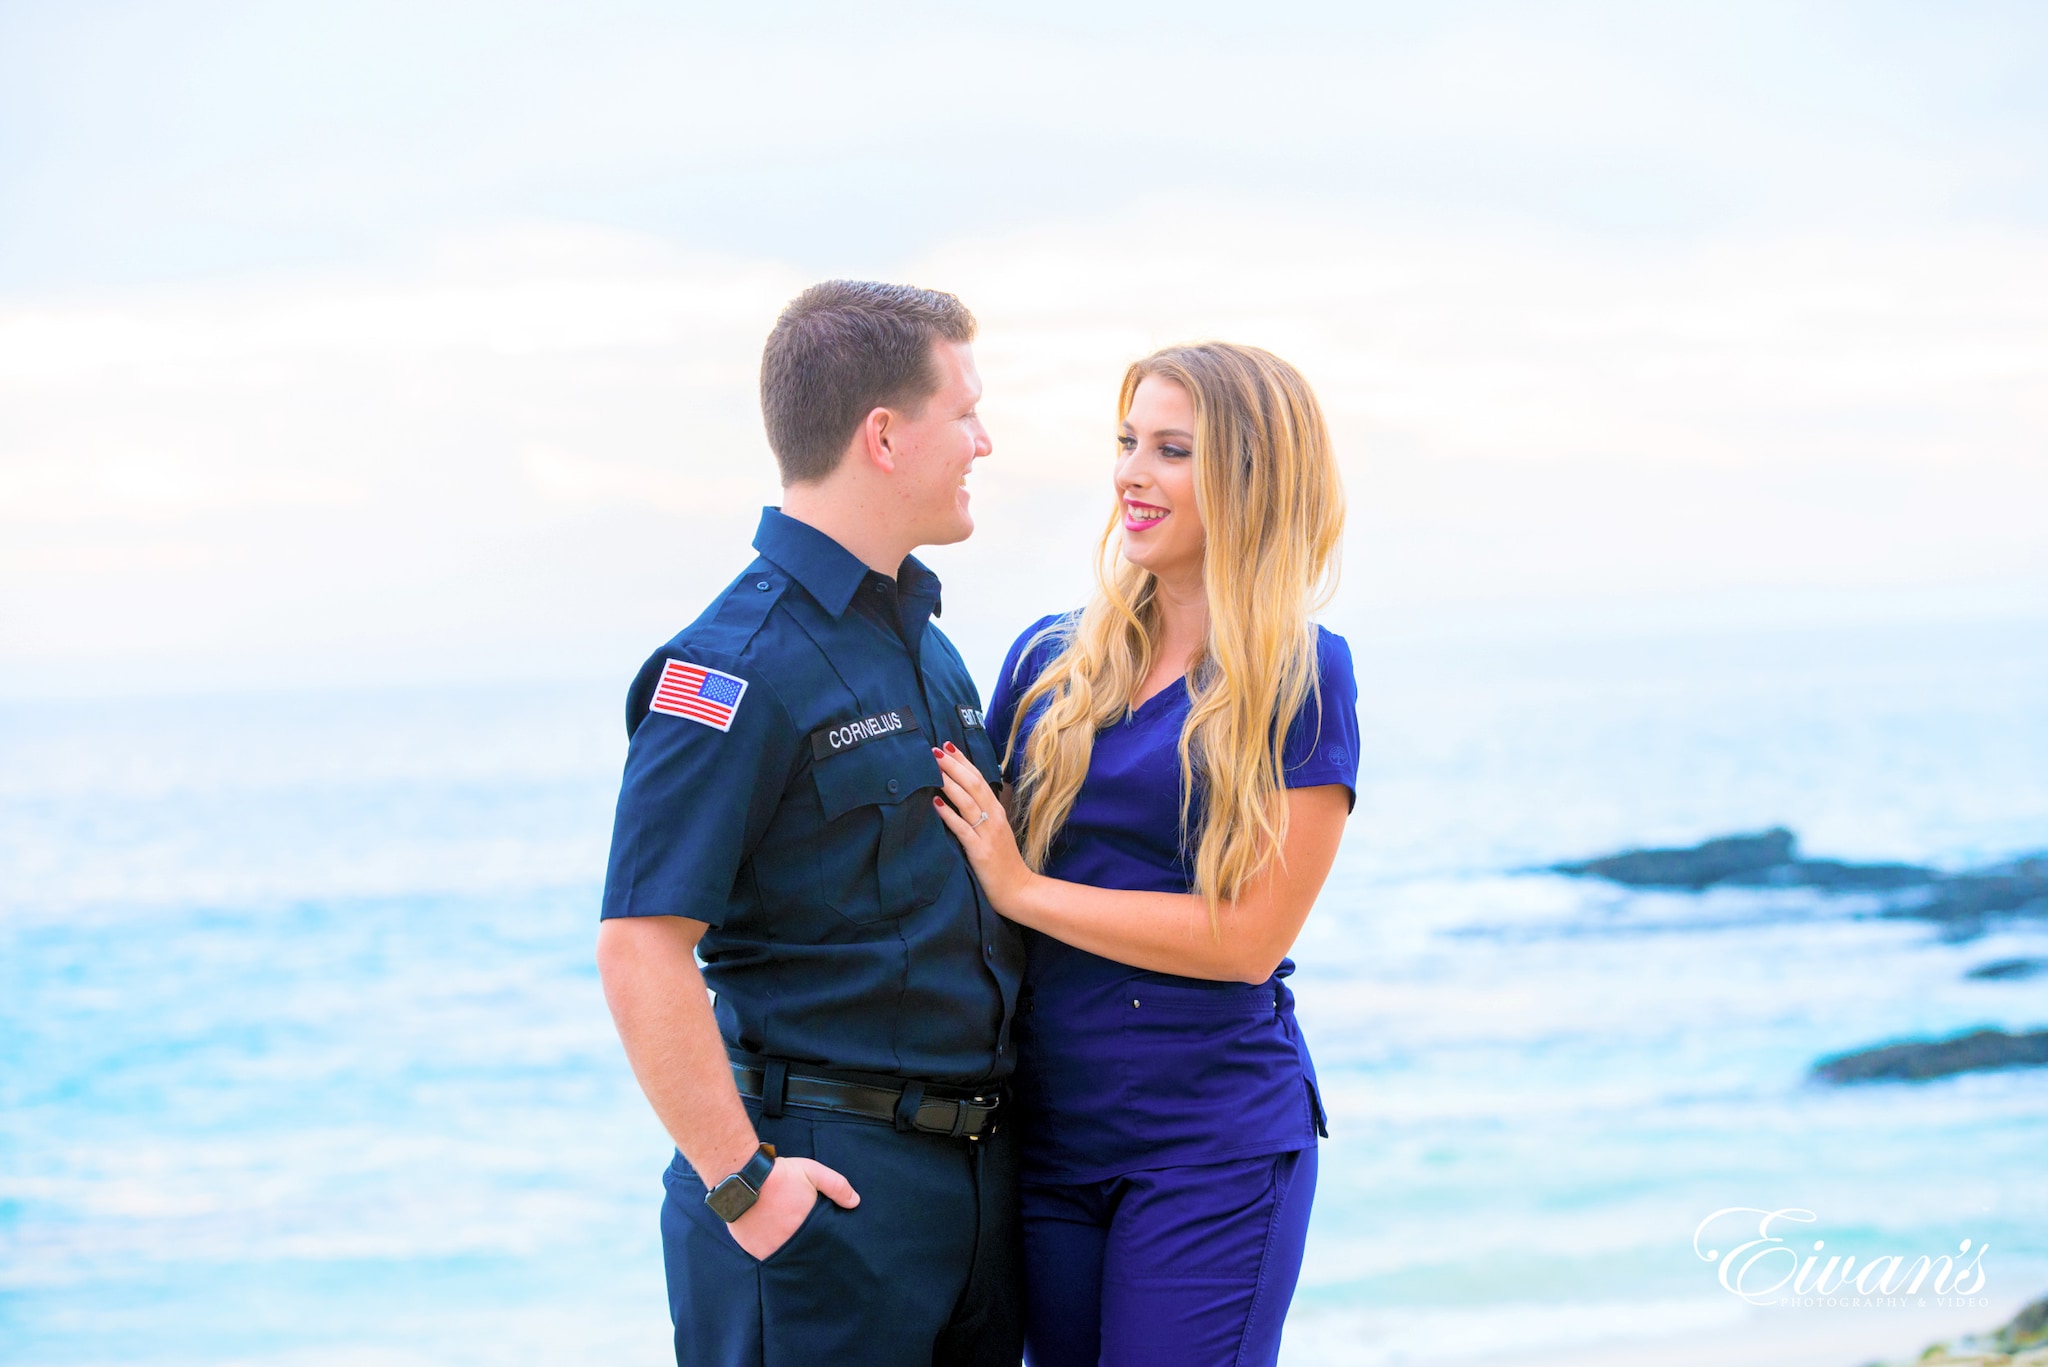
(151, 143)
(550, 434)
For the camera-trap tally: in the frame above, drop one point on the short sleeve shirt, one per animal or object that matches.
(778, 788)
(1120, 1068)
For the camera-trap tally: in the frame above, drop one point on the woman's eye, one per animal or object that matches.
(1126, 443)
(1175, 452)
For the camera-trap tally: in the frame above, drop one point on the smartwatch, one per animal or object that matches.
(735, 1196)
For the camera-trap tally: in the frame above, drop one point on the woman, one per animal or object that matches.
(1180, 757)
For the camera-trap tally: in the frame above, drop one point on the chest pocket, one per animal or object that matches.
(883, 851)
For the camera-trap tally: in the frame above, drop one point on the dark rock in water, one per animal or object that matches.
(1918, 1060)
(2013, 889)
(1831, 875)
(1698, 867)
(2001, 969)
(1769, 859)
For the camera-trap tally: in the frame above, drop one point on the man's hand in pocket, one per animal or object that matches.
(793, 1187)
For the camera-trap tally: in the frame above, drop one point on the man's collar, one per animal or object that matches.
(829, 572)
(913, 580)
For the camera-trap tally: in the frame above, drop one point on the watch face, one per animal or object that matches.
(731, 1199)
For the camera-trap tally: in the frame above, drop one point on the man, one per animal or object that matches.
(844, 1184)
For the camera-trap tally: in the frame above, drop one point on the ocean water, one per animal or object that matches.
(303, 1058)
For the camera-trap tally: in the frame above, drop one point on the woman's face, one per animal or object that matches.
(1155, 480)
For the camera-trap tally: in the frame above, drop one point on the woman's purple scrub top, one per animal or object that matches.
(1120, 1069)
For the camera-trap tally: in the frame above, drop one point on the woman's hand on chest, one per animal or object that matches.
(977, 819)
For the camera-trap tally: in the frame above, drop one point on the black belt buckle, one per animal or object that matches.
(964, 1111)
(916, 1109)
(905, 1105)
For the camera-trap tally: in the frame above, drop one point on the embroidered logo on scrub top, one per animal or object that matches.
(847, 735)
(701, 694)
(971, 718)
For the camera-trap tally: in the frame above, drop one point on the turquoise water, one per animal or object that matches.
(303, 1059)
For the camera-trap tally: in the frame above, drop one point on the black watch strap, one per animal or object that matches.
(735, 1196)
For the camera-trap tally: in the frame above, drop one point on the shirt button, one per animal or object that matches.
(894, 785)
(761, 584)
(991, 951)
(1134, 1003)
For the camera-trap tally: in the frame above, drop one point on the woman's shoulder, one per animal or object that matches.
(1333, 658)
(1051, 622)
(1322, 740)
(1036, 646)
(1028, 656)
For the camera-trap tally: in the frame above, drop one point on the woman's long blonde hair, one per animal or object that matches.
(1272, 507)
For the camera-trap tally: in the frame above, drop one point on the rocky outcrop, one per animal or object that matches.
(1919, 1060)
(1696, 867)
(2023, 1342)
(1998, 970)
(1770, 859)
(2029, 1329)
(1763, 859)
(2016, 889)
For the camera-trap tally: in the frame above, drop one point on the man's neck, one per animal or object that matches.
(842, 514)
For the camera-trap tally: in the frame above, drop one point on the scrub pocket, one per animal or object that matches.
(1194, 1053)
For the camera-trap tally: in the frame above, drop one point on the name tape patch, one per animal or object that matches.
(702, 694)
(848, 735)
(971, 718)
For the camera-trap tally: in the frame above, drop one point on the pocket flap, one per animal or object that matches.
(877, 774)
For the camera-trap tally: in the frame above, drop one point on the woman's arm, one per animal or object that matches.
(1164, 932)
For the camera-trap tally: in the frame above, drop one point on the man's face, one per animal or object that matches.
(937, 447)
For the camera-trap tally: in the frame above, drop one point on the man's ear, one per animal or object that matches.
(877, 439)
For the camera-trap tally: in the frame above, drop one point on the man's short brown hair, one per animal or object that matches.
(841, 350)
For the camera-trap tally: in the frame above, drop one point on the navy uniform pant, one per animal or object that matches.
(1171, 1267)
(926, 1270)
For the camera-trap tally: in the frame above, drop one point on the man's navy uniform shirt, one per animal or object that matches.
(846, 929)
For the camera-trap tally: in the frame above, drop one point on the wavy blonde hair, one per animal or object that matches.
(1271, 502)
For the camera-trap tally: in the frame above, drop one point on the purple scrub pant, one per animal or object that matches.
(1179, 1267)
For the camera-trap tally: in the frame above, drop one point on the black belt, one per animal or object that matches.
(909, 1107)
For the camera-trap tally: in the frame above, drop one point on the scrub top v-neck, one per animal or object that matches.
(1120, 1069)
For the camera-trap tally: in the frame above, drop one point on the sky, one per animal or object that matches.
(394, 343)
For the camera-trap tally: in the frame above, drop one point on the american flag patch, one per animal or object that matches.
(701, 694)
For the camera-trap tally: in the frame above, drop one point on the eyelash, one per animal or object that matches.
(1172, 452)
